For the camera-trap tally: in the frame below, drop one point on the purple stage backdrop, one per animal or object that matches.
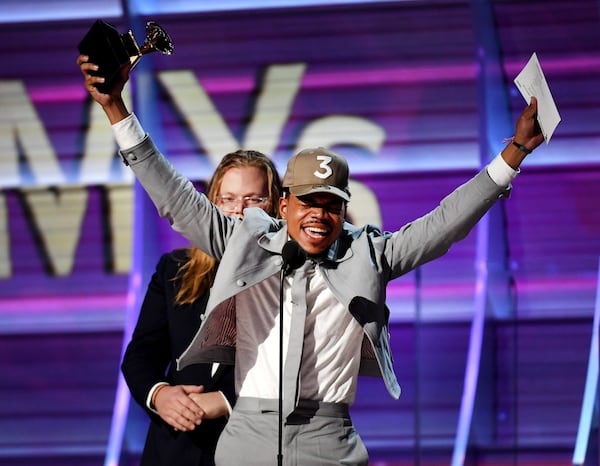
(393, 86)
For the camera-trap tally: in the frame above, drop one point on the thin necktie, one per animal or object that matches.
(291, 374)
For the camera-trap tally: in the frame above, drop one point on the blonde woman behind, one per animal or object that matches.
(180, 431)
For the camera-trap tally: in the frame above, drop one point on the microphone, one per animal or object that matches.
(293, 256)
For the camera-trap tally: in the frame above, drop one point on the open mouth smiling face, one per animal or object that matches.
(314, 221)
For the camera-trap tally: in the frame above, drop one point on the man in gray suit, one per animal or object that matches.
(335, 321)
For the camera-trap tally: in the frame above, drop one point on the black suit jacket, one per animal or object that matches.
(162, 333)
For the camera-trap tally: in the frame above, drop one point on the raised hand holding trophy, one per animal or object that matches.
(110, 50)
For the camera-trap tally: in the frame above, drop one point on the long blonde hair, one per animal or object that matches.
(198, 272)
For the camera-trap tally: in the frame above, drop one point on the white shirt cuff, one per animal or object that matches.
(500, 172)
(128, 132)
(149, 397)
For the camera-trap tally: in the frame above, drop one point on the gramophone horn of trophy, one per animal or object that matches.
(110, 50)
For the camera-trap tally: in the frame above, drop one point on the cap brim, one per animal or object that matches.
(311, 189)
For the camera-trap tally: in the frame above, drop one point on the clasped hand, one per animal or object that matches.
(184, 407)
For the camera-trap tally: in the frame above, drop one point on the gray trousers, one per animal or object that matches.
(314, 434)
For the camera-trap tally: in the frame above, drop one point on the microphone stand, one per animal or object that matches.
(293, 257)
(280, 431)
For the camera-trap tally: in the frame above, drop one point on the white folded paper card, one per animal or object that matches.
(532, 82)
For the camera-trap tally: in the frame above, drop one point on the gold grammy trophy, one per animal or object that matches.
(110, 50)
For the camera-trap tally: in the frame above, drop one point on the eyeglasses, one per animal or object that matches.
(229, 203)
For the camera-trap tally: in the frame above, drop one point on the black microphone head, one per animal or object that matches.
(293, 256)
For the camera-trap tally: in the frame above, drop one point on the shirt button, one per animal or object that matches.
(240, 283)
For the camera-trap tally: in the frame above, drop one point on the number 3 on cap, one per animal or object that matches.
(325, 161)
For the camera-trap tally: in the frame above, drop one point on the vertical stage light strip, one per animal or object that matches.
(490, 262)
(145, 247)
(590, 394)
(471, 377)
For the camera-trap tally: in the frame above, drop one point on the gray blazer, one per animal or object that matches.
(357, 268)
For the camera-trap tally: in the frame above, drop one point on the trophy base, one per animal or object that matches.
(105, 47)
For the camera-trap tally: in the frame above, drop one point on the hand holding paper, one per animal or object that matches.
(532, 82)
